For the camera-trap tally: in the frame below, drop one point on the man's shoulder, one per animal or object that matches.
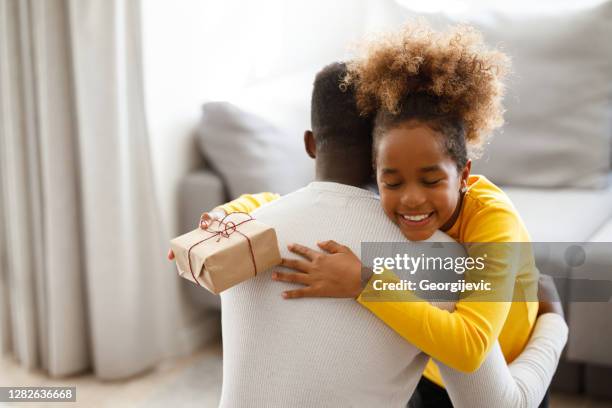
(310, 215)
(315, 200)
(293, 199)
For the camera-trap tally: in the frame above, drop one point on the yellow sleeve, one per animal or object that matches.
(248, 202)
(459, 339)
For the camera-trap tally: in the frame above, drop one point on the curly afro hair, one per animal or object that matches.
(449, 80)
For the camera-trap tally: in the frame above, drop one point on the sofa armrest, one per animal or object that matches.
(591, 322)
(199, 191)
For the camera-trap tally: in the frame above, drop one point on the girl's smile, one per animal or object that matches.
(415, 220)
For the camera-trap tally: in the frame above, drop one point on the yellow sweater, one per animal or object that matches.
(462, 339)
(248, 202)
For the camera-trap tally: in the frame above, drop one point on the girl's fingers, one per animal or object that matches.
(170, 254)
(205, 220)
(296, 264)
(301, 278)
(298, 293)
(306, 252)
(217, 214)
(332, 246)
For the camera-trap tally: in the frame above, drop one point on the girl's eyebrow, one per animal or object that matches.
(389, 171)
(431, 168)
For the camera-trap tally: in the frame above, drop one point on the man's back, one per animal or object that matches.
(314, 352)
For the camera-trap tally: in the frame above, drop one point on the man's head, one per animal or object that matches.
(341, 139)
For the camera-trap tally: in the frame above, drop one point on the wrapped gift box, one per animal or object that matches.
(227, 253)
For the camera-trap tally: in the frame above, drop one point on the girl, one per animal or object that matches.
(436, 96)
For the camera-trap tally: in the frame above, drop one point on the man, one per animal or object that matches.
(333, 352)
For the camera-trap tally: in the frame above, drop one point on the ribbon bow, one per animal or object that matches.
(225, 230)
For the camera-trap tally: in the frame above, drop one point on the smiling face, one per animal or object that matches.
(418, 181)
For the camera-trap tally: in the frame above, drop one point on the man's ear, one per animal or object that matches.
(310, 144)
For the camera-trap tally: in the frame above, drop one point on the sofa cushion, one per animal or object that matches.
(604, 234)
(562, 215)
(557, 131)
(255, 142)
(583, 344)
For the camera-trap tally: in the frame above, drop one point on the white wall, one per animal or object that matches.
(199, 50)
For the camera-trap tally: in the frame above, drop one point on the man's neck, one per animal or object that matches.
(344, 176)
(353, 172)
(360, 182)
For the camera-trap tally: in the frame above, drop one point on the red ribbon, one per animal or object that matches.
(225, 231)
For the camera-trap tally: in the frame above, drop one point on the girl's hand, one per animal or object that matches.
(548, 296)
(333, 274)
(207, 218)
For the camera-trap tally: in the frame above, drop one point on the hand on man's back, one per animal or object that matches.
(548, 297)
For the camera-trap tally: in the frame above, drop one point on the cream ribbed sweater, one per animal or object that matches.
(316, 352)
(520, 385)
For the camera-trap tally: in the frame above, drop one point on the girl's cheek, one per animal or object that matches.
(451, 201)
(387, 205)
(444, 203)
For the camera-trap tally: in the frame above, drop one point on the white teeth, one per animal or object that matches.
(415, 217)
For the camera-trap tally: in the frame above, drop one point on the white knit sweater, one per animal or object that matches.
(317, 352)
(523, 383)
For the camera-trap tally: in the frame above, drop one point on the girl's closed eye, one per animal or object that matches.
(432, 182)
(392, 185)
(391, 181)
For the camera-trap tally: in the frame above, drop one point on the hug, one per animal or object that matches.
(393, 134)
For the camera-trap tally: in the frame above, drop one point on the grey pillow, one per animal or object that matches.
(252, 154)
(559, 113)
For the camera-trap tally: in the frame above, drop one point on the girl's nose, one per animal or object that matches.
(413, 198)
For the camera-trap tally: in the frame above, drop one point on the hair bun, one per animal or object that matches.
(454, 65)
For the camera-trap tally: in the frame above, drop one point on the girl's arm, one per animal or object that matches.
(459, 339)
(248, 202)
(462, 339)
(523, 383)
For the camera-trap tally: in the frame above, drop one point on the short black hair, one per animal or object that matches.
(335, 119)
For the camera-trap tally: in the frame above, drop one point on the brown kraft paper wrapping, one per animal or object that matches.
(221, 256)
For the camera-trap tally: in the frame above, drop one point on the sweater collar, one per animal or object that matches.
(341, 188)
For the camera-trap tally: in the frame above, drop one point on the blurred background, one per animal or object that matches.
(122, 120)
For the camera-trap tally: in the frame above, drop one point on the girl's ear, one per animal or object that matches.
(465, 173)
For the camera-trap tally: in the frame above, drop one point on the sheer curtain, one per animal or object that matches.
(83, 279)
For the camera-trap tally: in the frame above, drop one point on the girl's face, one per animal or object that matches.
(418, 181)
